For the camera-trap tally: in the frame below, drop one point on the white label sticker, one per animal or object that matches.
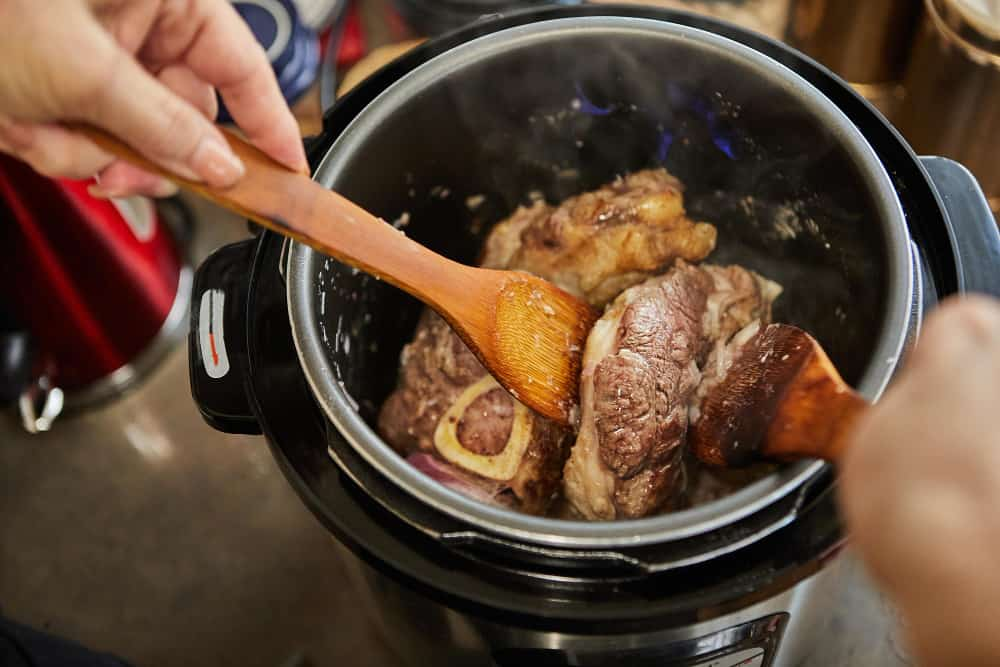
(753, 657)
(140, 216)
(212, 335)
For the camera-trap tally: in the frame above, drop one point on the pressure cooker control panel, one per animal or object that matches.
(751, 644)
(750, 658)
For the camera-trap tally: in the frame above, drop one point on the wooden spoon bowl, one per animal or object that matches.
(782, 399)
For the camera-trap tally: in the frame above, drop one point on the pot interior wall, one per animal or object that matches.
(567, 115)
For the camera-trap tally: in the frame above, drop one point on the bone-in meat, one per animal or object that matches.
(599, 243)
(642, 368)
(451, 419)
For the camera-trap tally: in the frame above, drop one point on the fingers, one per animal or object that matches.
(924, 464)
(971, 320)
(86, 72)
(82, 73)
(162, 125)
(122, 179)
(52, 150)
(57, 153)
(184, 82)
(938, 404)
(222, 51)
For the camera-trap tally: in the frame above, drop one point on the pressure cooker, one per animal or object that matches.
(805, 182)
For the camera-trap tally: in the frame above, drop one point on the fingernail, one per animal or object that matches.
(216, 164)
(300, 163)
(294, 157)
(164, 188)
(97, 192)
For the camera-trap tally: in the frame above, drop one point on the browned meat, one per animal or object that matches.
(505, 238)
(719, 360)
(450, 418)
(598, 243)
(446, 405)
(641, 370)
(433, 370)
(741, 305)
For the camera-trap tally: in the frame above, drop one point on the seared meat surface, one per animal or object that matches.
(447, 406)
(598, 243)
(641, 369)
(448, 415)
(660, 345)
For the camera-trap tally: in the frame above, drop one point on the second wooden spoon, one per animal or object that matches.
(782, 399)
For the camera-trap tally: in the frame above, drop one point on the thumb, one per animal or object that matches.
(167, 129)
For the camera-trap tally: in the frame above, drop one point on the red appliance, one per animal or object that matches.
(93, 283)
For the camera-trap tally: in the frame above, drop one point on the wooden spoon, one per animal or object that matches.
(782, 399)
(527, 332)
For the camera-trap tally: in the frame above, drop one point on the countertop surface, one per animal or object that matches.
(136, 529)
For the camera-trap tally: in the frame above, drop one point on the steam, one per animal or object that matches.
(682, 102)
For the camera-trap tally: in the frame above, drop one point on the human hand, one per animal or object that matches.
(145, 71)
(921, 487)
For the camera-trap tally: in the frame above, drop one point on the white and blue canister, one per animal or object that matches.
(292, 47)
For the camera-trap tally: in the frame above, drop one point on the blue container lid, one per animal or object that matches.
(291, 46)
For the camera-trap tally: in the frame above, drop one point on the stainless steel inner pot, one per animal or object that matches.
(496, 116)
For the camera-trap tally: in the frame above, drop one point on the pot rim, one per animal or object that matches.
(323, 380)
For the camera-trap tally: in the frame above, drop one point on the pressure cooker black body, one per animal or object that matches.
(454, 590)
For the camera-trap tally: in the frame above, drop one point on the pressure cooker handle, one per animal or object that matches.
(217, 354)
(972, 224)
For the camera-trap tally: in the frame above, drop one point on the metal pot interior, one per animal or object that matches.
(562, 106)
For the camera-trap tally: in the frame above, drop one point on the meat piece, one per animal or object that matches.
(641, 370)
(738, 298)
(504, 239)
(718, 363)
(638, 371)
(487, 491)
(433, 370)
(446, 405)
(483, 442)
(740, 303)
(599, 243)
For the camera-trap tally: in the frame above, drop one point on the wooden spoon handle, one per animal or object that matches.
(824, 432)
(294, 205)
(818, 411)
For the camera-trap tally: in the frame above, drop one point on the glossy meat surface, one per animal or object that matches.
(629, 242)
(601, 242)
